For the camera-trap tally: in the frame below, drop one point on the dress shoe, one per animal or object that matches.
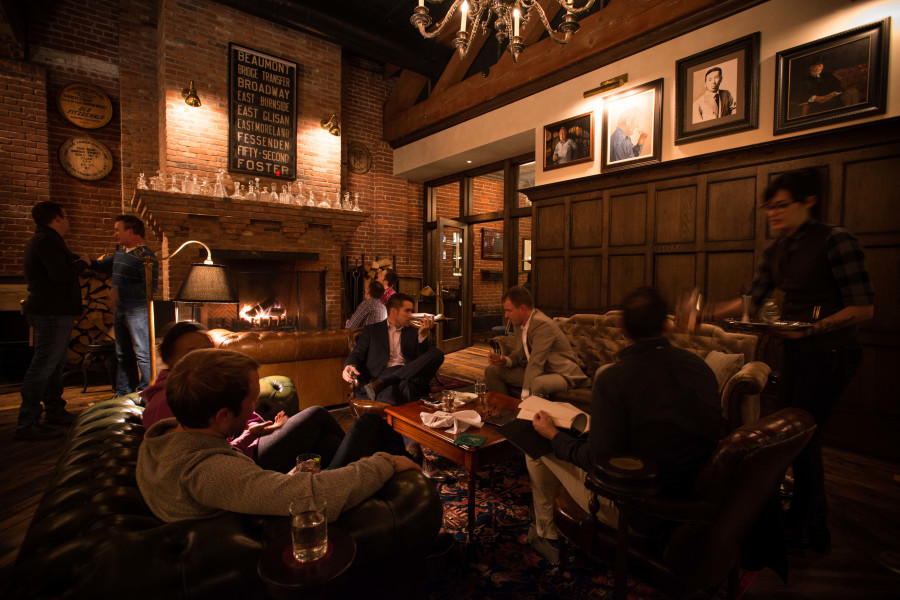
(372, 388)
(36, 431)
(546, 547)
(436, 475)
(58, 416)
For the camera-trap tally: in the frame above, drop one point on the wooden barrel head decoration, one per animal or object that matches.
(84, 105)
(83, 157)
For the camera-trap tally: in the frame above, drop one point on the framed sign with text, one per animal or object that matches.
(262, 114)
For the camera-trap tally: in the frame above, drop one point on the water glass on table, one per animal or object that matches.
(480, 393)
(310, 463)
(309, 529)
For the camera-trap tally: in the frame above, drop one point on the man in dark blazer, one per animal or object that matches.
(393, 361)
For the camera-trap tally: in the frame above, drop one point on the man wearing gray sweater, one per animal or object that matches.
(187, 469)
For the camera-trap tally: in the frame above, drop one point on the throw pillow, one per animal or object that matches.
(724, 366)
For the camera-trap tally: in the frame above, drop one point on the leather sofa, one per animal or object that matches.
(313, 360)
(93, 535)
(597, 338)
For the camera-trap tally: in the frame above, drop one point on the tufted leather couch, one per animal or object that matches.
(313, 360)
(596, 339)
(93, 535)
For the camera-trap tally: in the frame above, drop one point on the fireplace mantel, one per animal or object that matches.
(169, 214)
(246, 226)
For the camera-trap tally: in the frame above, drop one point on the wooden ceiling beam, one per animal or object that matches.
(619, 30)
(405, 93)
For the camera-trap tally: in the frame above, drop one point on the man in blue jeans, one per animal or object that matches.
(128, 300)
(53, 303)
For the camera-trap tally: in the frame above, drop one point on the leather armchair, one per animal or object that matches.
(708, 530)
(93, 535)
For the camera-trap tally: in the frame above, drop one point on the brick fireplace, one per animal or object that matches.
(296, 243)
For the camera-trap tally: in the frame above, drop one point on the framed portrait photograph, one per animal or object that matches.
(569, 142)
(717, 91)
(632, 127)
(837, 78)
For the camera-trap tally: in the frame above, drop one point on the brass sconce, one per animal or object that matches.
(190, 95)
(332, 125)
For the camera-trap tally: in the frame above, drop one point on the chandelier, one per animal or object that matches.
(508, 16)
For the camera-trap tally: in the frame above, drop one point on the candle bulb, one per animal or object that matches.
(516, 22)
(421, 3)
(465, 13)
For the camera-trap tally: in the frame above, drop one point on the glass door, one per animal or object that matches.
(450, 265)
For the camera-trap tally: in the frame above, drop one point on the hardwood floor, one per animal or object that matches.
(863, 496)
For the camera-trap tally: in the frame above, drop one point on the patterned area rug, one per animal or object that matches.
(500, 563)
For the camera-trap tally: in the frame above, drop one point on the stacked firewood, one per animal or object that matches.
(96, 322)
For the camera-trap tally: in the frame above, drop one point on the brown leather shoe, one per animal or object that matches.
(373, 387)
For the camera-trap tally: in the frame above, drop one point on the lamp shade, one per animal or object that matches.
(207, 283)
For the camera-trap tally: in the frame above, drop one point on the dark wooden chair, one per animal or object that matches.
(704, 546)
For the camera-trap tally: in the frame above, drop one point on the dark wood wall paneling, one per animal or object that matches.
(696, 222)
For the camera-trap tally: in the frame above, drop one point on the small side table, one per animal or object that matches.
(105, 351)
(286, 578)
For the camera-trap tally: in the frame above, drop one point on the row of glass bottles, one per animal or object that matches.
(292, 194)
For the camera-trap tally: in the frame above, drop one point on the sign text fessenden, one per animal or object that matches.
(262, 114)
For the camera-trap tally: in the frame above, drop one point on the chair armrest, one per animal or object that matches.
(740, 398)
(751, 379)
(623, 478)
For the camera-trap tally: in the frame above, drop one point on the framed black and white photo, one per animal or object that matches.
(837, 78)
(632, 127)
(569, 142)
(717, 91)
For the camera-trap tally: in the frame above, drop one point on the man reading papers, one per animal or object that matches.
(656, 402)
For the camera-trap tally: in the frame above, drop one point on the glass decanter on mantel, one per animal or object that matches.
(251, 191)
(205, 188)
(219, 189)
(238, 191)
(297, 199)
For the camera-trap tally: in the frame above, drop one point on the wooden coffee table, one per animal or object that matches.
(406, 420)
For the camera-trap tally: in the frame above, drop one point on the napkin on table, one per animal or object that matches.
(456, 421)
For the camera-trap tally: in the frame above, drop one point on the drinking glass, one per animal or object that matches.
(311, 463)
(309, 529)
(447, 401)
(480, 391)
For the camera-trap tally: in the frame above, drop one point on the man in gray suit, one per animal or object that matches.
(542, 361)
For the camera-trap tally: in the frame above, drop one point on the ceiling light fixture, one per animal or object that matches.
(332, 125)
(190, 95)
(508, 16)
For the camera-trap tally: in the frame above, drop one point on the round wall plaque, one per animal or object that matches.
(85, 158)
(359, 159)
(84, 105)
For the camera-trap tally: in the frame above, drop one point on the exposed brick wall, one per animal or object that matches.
(139, 106)
(487, 196)
(446, 201)
(395, 206)
(78, 42)
(194, 41)
(24, 179)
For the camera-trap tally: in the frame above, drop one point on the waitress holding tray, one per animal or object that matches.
(820, 269)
